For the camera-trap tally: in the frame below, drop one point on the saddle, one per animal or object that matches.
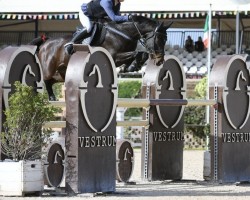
(96, 36)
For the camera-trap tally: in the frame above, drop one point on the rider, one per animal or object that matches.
(95, 9)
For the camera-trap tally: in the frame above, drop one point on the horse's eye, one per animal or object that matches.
(164, 37)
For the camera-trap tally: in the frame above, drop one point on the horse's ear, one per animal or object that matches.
(168, 25)
(159, 27)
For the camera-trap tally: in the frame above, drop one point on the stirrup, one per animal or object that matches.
(69, 49)
(67, 44)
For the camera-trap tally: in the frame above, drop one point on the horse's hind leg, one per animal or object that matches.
(48, 85)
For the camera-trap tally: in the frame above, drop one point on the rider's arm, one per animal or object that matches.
(107, 5)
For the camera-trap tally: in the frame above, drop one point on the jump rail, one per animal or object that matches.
(137, 103)
(134, 103)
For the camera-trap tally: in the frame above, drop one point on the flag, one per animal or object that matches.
(206, 32)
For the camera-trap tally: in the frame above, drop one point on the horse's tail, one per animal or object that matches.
(39, 41)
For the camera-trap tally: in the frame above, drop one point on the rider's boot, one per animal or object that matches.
(76, 39)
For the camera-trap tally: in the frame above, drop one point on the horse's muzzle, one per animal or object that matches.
(159, 58)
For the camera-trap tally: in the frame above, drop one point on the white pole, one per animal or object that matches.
(237, 32)
(120, 117)
(208, 65)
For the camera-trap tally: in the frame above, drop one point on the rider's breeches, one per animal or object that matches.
(85, 21)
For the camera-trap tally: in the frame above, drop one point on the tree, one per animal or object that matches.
(201, 88)
(195, 116)
(23, 135)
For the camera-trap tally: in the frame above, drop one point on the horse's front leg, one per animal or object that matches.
(125, 59)
(48, 85)
(140, 60)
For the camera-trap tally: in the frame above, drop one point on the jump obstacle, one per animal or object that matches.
(91, 101)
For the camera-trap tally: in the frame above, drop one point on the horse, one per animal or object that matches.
(140, 60)
(120, 40)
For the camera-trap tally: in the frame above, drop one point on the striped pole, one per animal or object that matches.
(135, 103)
(144, 103)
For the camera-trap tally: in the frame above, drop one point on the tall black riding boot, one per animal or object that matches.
(75, 40)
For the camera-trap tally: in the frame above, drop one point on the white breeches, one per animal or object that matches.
(85, 21)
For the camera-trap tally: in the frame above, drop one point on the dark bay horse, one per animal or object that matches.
(120, 40)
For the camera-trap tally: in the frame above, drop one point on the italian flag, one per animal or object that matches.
(206, 32)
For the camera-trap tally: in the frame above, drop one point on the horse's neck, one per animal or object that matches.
(130, 30)
(144, 28)
(143, 25)
(123, 30)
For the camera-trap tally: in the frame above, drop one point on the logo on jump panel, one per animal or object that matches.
(23, 67)
(95, 92)
(170, 85)
(236, 95)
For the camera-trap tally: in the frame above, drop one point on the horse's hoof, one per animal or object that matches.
(52, 98)
(132, 68)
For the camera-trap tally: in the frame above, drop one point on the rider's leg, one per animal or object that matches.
(81, 34)
(76, 39)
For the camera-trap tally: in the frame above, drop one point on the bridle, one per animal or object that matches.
(143, 40)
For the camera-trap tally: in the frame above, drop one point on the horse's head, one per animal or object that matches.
(155, 42)
(153, 36)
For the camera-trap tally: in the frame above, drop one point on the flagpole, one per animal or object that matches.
(209, 51)
(208, 65)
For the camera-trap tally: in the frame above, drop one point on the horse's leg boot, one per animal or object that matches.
(75, 40)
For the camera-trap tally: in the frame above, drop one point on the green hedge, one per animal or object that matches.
(130, 89)
(195, 116)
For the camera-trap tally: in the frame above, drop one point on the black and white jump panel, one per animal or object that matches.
(18, 64)
(124, 160)
(54, 163)
(91, 100)
(230, 123)
(163, 140)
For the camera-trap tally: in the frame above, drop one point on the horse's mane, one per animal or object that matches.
(144, 20)
(141, 20)
(150, 23)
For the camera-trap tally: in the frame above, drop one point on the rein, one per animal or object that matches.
(118, 32)
(143, 40)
